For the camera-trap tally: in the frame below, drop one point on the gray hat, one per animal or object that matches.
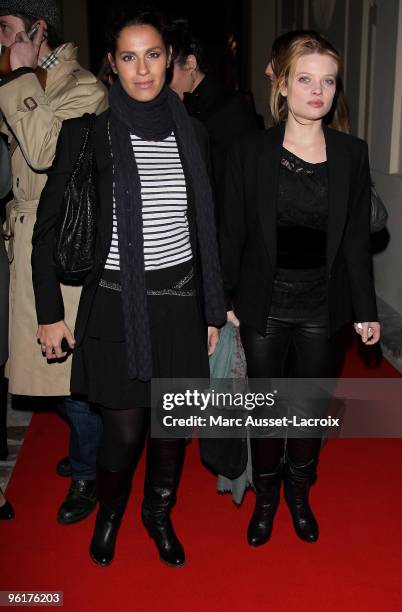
(49, 10)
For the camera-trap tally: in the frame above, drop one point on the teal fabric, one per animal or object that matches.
(228, 361)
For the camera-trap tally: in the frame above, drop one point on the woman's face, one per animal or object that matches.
(140, 61)
(311, 87)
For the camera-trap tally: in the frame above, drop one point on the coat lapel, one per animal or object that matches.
(268, 173)
(338, 192)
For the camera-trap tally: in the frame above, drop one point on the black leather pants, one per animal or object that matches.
(292, 347)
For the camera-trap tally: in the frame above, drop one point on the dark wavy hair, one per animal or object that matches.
(53, 38)
(184, 43)
(133, 15)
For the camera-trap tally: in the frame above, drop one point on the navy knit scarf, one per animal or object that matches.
(155, 120)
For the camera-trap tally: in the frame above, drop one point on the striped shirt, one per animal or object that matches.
(164, 206)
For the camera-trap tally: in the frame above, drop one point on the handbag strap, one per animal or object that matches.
(86, 140)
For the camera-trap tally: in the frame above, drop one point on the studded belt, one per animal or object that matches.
(176, 289)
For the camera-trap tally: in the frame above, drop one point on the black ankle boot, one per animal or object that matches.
(114, 490)
(298, 480)
(79, 503)
(267, 489)
(164, 464)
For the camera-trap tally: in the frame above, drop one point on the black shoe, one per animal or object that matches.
(300, 474)
(6, 512)
(103, 541)
(161, 530)
(80, 502)
(267, 488)
(304, 521)
(114, 491)
(164, 464)
(63, 468)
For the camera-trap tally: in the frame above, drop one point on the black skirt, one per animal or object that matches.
(178, 336)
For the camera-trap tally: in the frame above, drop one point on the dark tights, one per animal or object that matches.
(124, 433)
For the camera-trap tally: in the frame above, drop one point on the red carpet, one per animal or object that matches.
(357, 563)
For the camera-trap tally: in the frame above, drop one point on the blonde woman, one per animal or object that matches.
(295, 243)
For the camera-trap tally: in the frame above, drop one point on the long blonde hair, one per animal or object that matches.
(284, 60)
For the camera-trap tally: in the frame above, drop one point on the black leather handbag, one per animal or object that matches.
(378, 212)
(74, 249)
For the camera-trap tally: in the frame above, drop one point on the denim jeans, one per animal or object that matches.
(85, 437)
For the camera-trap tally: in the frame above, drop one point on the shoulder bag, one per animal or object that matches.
(74, 249)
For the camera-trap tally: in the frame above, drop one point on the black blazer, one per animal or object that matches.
(48, 297)
(248, 228)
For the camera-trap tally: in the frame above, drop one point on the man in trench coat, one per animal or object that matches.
(45, 86)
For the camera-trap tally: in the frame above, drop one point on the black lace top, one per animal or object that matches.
(302, 219)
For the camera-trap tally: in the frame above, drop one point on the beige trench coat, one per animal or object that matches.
(33, 117)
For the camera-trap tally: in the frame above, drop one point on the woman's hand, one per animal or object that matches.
(370, 331)
(50, 337)
(232, 318)
(213, 339)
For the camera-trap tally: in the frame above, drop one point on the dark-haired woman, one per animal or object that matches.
(155, 288)
(296, 260)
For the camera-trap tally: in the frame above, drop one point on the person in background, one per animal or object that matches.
(151, 306)
(226, 114)
(296, 260)
(45, 86)
(106, 74)
(6, 510)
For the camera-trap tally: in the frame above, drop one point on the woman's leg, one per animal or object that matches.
(164, 465)
(266, 357)
(313, 356)
(123, 437)
(120, 449)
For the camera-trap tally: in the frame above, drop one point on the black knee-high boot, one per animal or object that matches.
(267, 490)
(301, 461)
(267, 459)
(113, 493)
(164, 465)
